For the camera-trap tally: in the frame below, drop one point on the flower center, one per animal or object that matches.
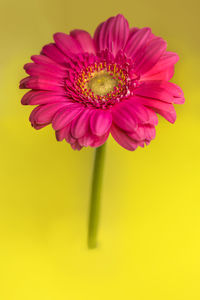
(102, 83)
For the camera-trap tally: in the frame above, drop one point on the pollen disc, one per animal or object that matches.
(102, 83)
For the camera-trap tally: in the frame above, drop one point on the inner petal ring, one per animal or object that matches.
(102, 83)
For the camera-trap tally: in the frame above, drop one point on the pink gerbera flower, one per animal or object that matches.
(114, 82)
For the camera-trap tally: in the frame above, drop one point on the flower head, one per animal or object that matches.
(115, 82)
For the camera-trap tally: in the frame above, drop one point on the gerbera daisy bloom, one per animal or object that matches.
(114, 82)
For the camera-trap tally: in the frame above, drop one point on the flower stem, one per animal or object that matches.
(96, 196)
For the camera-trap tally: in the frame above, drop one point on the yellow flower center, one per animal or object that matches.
(102, 83)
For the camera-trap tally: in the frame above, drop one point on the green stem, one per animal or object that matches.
(96, 196)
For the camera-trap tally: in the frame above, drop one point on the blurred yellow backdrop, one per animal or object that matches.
(149, 238)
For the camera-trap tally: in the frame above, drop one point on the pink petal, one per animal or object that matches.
(149, 132)
(132, 31)
(67, 44)
(100, 121)
(85, 40)
(137, 41)
(112, 34)
(123, 117)
(154, 89)
(166, 75)
(163, 108)
(86, 140)
(62, 133)
(43, 97)
(76, 146)
(100, 140)
(46, 61)
(175, 91)
(138, 135)
(168, 115)
(69, 138)
(140, 113)
(80, 125)
(152, 103)
(150, 55)
(153, 119)
(165, 65)
(123, 139)
(161, 90)
(143, 132)
(66, 115)
(55, 54)
(41, 83)
(96, 37)
(92, 140)
(32, 118)
(44, 70)
(65, 133)
(44, 114)
(101, 35)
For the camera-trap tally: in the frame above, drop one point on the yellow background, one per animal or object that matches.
(149, 238)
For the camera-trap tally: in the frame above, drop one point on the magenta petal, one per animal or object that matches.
(132, 31)
(32, 117)
(80, 125)
(153, 119)
(101, 35)
(123, 138)
(46, 61)
(86, 140)
(69, 138)
(137, 41)
(164, 67)
(41, 83)
(175, 91)
(112, 34)
(92, 140)
(55, 54)
(76, 146)
(44, 70)
(155, 90)
(100, 121)
(61, 134)
(100, 140)
(43, 97)
(119, 33)
(161, 90)
(64, 117)
(85, 40)
(152, 103)
(65, 133)
(139, 112)
(43, 60)
(142, 114)
(150, 55)
(45, 113)
(144, 132)
(138, 135)
(163, 108)
(96, 36)
(123, 117)
(168, 115)
(166, 75)
(149, 132)
(67, 44)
